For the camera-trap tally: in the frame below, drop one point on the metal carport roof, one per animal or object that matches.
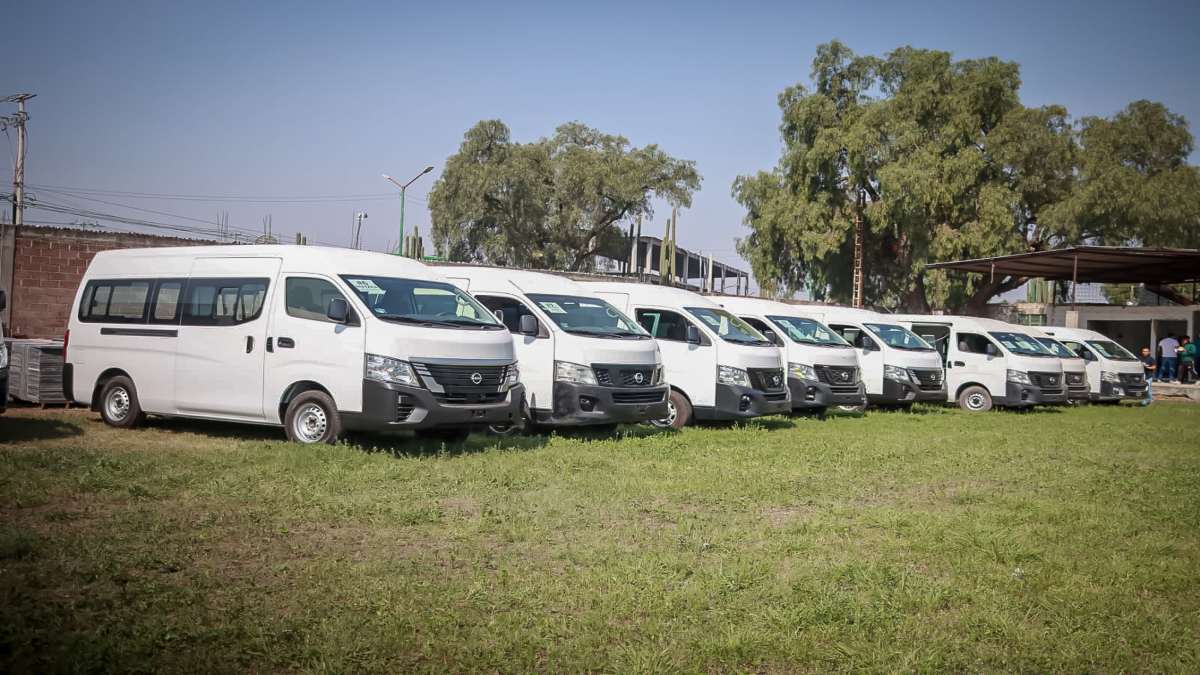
(1095, 264)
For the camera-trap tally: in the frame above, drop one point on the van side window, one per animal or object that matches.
(663, 325)
(165, 308)
(972, 343)
(854, 335)
(115, 301)
(223, 302)
(511, 310)
(308, 298)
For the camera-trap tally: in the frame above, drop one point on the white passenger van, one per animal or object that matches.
(1113, 373)
(822, 368)
(583, 362)
(991, 363)
(313, 339)
(898, 368)
(718, 366)
(1074, 367)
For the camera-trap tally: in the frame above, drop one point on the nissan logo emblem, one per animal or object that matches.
(476, 378)
(639, 378)
(845, 376)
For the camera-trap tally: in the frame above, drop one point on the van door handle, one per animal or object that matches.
(285, 343)
(249, 343)
(959, 364)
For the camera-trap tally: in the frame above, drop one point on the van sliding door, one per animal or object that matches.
(222, 338)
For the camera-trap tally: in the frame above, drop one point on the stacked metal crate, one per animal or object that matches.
(35, 371)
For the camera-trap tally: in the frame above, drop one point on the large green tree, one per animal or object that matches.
(942, 161)
(554, 203)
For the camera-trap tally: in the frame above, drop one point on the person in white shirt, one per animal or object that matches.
(1168, 348)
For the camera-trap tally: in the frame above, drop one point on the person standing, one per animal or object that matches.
(1168, 347)
(1149, 365)
(1187, 360)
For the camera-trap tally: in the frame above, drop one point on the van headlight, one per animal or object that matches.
(1106, 376)
(896, 373)
(734, 376)
(802, 371)
(565, 371)
(1019, 376)
(387, 369)
(514, 376)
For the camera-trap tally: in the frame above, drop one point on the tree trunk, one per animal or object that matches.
(976, 305)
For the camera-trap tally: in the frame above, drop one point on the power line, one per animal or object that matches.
(308, 199)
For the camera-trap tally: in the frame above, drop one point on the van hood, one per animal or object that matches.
(1035, 364)
(1073, 365)
(416, 343)
(822, 356)
(749, 356)
(1127, 367)
(589, 350)
(912, 359)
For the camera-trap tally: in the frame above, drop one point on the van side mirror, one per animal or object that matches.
(868, 345)
(693, 335)
(3, 301)
(499, 314)
(529, 325)
(773, 337)
(991, 350)
(338, 311)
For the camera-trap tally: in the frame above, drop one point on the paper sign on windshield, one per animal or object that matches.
(366, 285)
(552, 307)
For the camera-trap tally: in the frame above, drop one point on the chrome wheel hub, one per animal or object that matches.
(116, 404)
(672, 413)
(975, 401)
(310, 423)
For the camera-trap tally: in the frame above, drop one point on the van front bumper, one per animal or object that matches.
(396, 407)
(1115, 391)
(1078, 393)
(586, 404)
(1017, 395)
(737, 403)
(815, 394)
(896, 392)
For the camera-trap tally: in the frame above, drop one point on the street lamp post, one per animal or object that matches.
(403, 189)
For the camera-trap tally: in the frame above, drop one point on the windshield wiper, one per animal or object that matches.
(416, 321)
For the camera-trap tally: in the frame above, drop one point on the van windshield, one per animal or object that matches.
(1111, 350)
(808, 332)
(588, 316)
(899, 337)
(1021, 344)
(1057, 348)
(729, 327)
(416, 301)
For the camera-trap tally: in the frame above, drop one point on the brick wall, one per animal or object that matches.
(47, 266)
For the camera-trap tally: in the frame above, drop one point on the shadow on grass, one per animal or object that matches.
(17, 429)
(410, 445)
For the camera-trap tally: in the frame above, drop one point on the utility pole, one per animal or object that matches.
(356, 234)
(18, 120)
(856, 295)
(403, 189)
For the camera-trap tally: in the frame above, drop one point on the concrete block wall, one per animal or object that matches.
(46, 266)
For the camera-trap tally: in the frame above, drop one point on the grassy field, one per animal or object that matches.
(932, 540)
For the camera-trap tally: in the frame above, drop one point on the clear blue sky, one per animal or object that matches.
(279, 99)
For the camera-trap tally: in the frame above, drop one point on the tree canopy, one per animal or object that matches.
(553, 203)
(944, 162)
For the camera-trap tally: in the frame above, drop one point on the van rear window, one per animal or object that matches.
(115, 301)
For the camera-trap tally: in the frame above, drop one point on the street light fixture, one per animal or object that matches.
(403, 189)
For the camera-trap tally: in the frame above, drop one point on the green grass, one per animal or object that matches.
(936, 540)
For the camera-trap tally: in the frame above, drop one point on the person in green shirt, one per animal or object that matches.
(1187, 360)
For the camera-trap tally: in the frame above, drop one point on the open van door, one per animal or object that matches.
(219, 355)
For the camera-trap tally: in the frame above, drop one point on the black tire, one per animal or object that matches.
(312, 418)
(975, 399)
(816, 413)
(679, 412)
(444, 434)
(522, 426)
(119, 405)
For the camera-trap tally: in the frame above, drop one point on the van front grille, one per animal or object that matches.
(466, 377)
(624, 376)
(928, 379)
(767, 379)
(1051, 382)
(637, 396)
(841, 379)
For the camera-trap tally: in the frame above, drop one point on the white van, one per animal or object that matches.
(991, 363)
(898, 368)
(583, 362)
(3, 358)
(822, 368)
(1073, 365)
(313, 339)
(1113, 373)
(718, 366)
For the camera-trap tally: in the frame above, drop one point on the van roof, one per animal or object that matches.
(763, 306)
(652, 294)
(499, 279)
(175, 260)
(978, 323)
(1074, 333)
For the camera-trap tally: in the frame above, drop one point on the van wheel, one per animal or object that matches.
(816, 413)
(119, 404)
(975, 399)
(312, 418)
(679, 412)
